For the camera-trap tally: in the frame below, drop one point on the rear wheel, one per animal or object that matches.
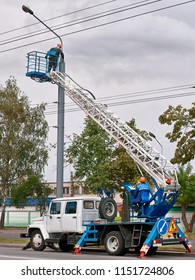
(37, 241)
(64, 246)
(115, 244)
(108, 209)
(152, 251)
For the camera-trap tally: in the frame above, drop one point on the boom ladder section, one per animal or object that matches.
(138, 148)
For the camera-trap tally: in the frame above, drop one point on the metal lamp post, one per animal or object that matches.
(60, 127)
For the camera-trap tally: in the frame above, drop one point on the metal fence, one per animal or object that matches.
(23, 217)
(19, 218)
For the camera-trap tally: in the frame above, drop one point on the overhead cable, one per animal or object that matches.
(99, 25)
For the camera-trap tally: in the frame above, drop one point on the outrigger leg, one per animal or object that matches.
(161, 227)
(148, 242)
(89, 235)
(77, 249)
(186, 243)
(80, 243)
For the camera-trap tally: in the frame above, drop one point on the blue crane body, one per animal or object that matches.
(150, 227)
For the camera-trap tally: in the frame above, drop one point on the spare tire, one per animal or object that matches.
(108, 209)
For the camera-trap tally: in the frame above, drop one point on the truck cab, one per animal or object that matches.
(63, 222)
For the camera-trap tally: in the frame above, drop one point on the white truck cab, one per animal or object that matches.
(63, 223)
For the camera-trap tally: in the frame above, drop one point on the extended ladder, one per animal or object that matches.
(138, 148)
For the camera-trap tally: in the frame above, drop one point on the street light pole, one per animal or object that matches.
(60, 126)
(60, 136)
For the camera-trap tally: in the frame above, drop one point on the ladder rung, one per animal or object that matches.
(137, 147)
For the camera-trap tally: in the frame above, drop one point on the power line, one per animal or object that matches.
(79, 21)
(57, 17)
(131, 94)
(152, 99)
(149, 92)
(134, 101)
(101, 25)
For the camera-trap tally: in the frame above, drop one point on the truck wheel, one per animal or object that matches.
(64, 246)
(152, 251)
(36, 241)
(115, 244)
(108, 209)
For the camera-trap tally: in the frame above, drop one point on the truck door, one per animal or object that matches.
(53, 218)
(69, 217)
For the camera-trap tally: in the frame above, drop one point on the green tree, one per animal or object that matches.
(90, 154)
(99, 160)
(183, 121)
(32, 187)
(23, 134)
(187, 194)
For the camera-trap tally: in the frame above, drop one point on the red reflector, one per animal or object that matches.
(156, 241)
(183, 239)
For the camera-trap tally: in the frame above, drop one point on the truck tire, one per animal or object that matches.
(36, 241)
(152, 251)
(115, 244)
(64, 246)
(108, 209)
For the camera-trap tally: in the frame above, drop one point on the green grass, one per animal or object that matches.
(12, 241)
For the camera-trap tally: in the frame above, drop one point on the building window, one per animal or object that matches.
(66, 190)
(76, 190)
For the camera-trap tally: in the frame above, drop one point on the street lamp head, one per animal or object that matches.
(152, 135)
(26, 9)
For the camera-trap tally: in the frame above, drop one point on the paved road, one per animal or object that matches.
(16, 253)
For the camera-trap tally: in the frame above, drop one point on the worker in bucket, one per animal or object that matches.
(53, 55)
(142, 193)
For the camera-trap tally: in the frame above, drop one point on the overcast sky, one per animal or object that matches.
(146, 51)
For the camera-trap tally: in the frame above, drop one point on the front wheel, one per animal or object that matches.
(108, 209)
(36, 241)
(115, 244)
